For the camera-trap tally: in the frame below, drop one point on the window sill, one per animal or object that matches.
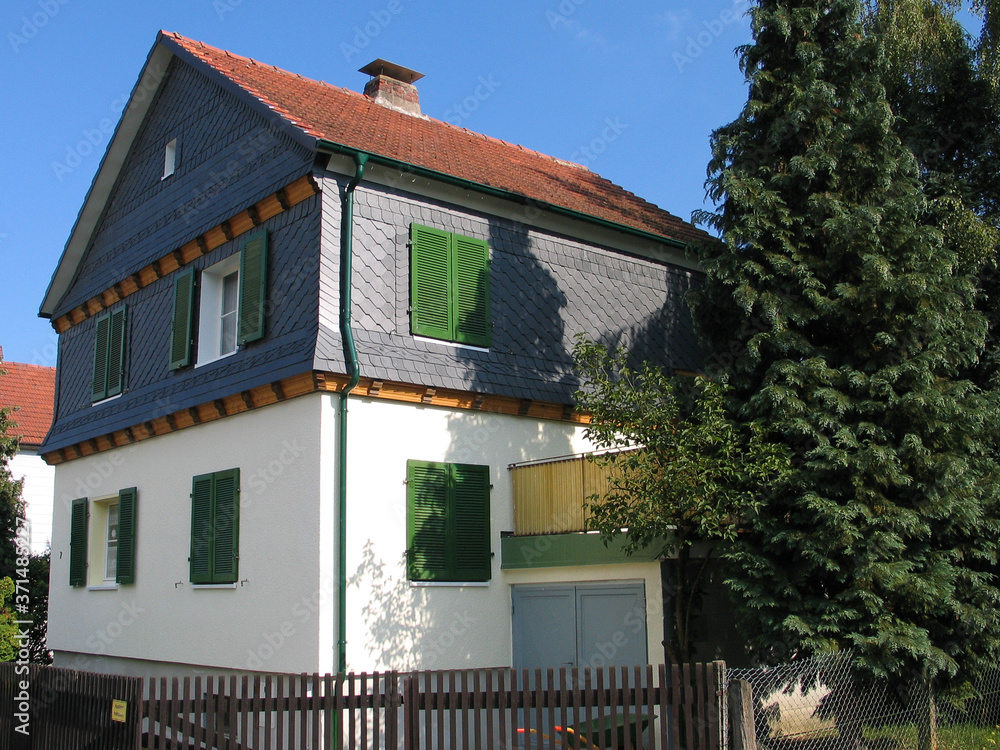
(452, 344)
(448, 584)
(103, 587)
(197, 586)
(201, 363)
(106, 400)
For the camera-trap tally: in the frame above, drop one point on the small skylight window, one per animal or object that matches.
(170, 159)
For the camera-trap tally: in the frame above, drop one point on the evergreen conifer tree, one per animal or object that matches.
(852, 320)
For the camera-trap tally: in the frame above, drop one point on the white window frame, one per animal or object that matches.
(210, 306)
(97, 544)
(169, 158)
(111, 544)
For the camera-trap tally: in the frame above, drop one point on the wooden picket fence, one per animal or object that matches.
(625, 708)
(45, 708)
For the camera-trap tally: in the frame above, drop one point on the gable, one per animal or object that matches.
(228, 157)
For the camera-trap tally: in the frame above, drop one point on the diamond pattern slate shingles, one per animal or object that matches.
(352, 119)
(32, 388)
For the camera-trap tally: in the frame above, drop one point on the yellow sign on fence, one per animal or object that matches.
(118, 709)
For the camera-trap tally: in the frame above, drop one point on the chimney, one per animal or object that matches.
(392, 86)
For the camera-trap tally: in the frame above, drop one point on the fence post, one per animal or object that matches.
(742, 732)
(718, 712)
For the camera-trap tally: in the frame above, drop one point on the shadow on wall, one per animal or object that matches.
(529, 329)
(403, 631)
(666, 337)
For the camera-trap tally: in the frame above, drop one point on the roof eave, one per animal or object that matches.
(142, 96)
(338, 148)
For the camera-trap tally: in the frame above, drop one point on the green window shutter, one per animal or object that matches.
(430, 306)
(116, 352)
(225, 559)
(470, 284)
(78, 543)
(471, 519)
(426, 520)
(181, 325)
(201, 529)
(126, 535)
(253, 288)
(99, 384)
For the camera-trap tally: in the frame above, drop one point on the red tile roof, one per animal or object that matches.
(353, 120)
(32, 388)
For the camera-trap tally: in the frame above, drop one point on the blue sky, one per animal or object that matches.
(631, 88)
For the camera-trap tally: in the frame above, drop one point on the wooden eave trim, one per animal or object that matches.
(316, 382)
(291, 195)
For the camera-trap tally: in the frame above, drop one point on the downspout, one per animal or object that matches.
(354, 375)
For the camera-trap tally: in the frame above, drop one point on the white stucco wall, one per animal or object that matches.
(283, 615)
(37, 492)
(273, 619)
(396, 625)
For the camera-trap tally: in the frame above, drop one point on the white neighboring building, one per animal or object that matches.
(31, 388)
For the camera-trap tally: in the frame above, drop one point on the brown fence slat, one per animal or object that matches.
(459, 708)
(701, 705)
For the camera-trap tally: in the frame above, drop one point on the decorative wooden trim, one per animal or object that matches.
(316, 382)
(290, 195)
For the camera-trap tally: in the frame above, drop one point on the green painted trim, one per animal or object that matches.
(330, 146)
(560, 550)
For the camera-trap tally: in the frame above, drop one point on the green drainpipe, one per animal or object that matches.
(354, 374)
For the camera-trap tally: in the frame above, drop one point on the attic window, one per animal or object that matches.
(170, 158)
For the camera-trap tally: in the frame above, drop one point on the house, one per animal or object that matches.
(310, 340)
(28, 390)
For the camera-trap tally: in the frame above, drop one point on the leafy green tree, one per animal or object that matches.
(9, 643)
(681, 471)
(852, 319)
(941, 85)
(12, 512)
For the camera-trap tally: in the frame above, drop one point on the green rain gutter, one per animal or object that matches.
(336, 148)
(354, 375)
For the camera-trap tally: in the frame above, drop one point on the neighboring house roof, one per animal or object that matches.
(318, 114)
(32, 388)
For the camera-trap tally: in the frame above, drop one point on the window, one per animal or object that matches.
(215, 527)
(109, 355)
(111, 544)
(449, 286)
(102, 540)
(169, 159)
(448, 522)
(232, 305)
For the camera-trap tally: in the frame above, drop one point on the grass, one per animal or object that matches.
(957, 737)
(903, 737)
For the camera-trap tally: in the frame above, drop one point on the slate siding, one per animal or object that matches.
(227, 159)
(151, 388)
(545, 289)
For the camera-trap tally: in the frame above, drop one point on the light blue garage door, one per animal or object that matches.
(579, 625)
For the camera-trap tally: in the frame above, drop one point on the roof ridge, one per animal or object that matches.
(326, 111)
(484, 136)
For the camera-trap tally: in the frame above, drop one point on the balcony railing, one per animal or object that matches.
(549, 495)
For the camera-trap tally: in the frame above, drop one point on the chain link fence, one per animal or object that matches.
(819, 704)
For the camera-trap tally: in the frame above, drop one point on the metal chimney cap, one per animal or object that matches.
(385, 68)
